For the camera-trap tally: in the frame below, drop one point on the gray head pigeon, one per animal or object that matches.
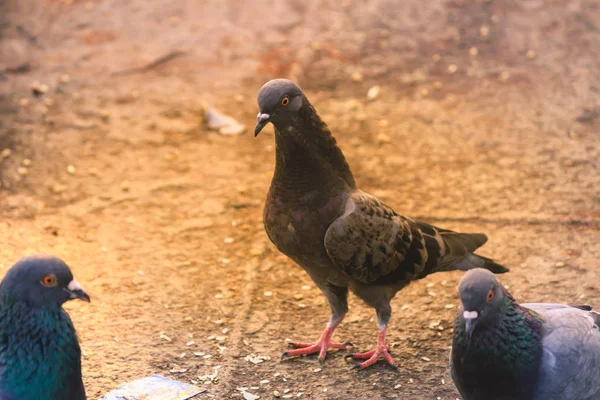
(538, 351)
(40, 358)
(343, 237)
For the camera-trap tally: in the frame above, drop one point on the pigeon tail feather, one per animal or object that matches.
(472, 261)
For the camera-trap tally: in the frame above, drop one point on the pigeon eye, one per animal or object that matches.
(285, 101)
(49, 281)
(490, 295)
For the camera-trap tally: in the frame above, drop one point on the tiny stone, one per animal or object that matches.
(356, 76)
(71, 169)
(449, 306)
(374, 92)
(306, 287)
(125, 186)
(276, 393)
(317, 370)
(452, 68)
(383, 138)
(436, 57)
(93, 171)
(560, 264)
(398, 386)
(425, 359)
(404, 307)
(268, 294)
(504, 75)
(228, 240)
(239, 98)
(437, 85)
(360, 117)
(301, 305)
(264, 381)
(5, 153)
(473, 51)
(218, 296)
(65, 78)
(22, 171)
(26, 162)
(531, 54)
(298, 296)
(484, 31)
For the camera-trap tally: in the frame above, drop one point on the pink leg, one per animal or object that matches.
(320, 346)
(380, 350)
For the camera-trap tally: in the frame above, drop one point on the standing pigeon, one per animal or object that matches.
(40, 358)
(345, 238)
(506, 351)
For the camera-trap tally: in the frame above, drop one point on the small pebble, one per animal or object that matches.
(504, 75)
(473, 51)
(356, 76)
(560, 264)
(531, 54)
(22, 171)
(93, 171)
(306, 287)
(374, 92)
(452, 68)
(228, 240)
(437, 85)
(71, 169)
(383, 138)
(5, 153)
(276, 393)
(436, 57)
(484, 31)
(125, 186)
(268, 294)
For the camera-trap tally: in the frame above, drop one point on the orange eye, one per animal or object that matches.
(285, 101)
(49, 281)
(490, 295)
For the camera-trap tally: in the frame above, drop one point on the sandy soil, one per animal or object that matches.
(487, 121)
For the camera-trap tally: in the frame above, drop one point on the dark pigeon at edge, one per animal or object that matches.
(40, 357)
(343, 237)
(503, 350)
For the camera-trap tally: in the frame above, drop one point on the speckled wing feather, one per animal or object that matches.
(571, 361)
(372, 244)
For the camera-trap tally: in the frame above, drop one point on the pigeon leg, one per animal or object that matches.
(337, 298)
(381, 350)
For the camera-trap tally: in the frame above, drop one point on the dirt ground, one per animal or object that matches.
(487, 120)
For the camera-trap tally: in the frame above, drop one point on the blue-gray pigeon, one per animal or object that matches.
(40, 358)
(343, 237)
(503, 350)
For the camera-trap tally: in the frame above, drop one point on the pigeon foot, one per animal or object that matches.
(381, 350)
(321, 346)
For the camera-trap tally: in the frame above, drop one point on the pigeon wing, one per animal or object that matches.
(372, 244)
(570, 366)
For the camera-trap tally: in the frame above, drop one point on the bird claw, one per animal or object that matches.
(284, 355)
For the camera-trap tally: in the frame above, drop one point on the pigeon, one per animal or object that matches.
(503, 350)
(40, 357)
(344, 238)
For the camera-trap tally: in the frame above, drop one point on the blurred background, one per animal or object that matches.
(476, 115)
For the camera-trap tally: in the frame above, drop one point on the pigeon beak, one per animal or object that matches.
(261, 121)
(76, 292)
(470, 321)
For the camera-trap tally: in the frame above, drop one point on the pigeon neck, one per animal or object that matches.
(510, 348)
(307, 156)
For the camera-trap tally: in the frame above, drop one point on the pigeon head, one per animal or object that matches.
(41, 281)
(279, 101)
(481, 296)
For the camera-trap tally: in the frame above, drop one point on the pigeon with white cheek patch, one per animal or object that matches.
(40, 357)
(503, 350)
(343, 237)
